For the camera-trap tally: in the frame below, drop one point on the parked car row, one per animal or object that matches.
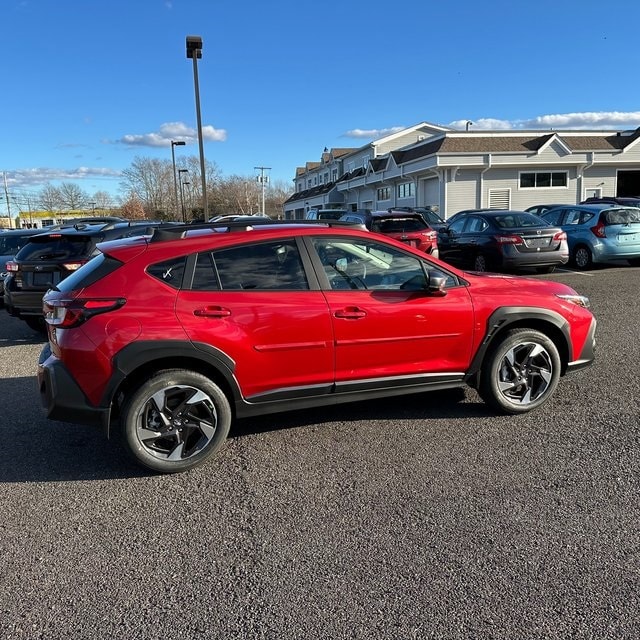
(47, 257)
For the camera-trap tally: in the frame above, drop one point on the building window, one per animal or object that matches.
(334, 175)
(543, 179)
(405, 190)
(384, 193)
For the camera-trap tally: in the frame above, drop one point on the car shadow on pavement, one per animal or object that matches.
(434, 405)
(35, 449)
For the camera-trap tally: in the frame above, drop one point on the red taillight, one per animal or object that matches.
(561, 235)
(599, 230)
(509, 240)
(64, 314)
(12, 266)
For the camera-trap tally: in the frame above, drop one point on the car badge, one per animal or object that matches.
(538, 231)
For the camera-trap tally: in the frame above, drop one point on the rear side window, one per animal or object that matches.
(56, 247)
(170, 272)
(269, 265)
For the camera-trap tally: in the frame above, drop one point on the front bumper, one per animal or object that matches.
(61, 396)
(588, 353)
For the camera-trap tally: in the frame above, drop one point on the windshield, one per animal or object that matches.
(56, 247)
(514, 220)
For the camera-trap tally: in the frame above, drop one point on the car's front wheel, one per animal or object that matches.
(175, 420)
(480, 263)
(520, 372)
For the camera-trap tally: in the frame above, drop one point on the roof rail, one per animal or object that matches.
(180, 230)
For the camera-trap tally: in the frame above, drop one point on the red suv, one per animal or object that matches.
(169, 337)
(407, 226)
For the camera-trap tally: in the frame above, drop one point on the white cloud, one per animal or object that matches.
(371, 134)
(173, 131)
(578, 120)
(41, 175)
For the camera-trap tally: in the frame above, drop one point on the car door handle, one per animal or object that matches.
(212, 312)
(350, 313)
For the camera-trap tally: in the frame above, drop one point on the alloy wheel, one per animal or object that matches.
(525, 373)
(177, 422)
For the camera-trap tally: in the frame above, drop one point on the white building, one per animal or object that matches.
(449, 170)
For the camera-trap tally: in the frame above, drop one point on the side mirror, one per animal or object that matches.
(437, 286)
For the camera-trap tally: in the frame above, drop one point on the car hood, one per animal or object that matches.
(519, 286)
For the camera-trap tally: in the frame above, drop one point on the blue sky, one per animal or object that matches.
(90, 84)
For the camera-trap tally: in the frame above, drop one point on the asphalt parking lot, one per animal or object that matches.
(421, 517)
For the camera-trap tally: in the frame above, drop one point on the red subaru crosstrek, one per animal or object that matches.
(168, 337)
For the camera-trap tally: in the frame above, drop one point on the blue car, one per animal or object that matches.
(598, 233)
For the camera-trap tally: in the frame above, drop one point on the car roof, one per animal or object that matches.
(24, 232)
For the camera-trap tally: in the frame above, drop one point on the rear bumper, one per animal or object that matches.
(62, 398)
(511, 257)
(24, 303)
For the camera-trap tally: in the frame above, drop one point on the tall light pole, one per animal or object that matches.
(180, 172)
(182, 185)
(194, 51)
(175, 143)
(262, 179)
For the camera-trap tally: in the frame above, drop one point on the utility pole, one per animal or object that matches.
(263, 180)
(6, 195)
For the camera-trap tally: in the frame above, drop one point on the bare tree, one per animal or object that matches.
(192, 165)
(103, 200)
(275, 198)
(72, 196)
(49, 198)
(151, 181)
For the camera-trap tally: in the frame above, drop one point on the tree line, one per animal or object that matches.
(148, 190)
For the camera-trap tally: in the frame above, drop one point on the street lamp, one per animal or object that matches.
(180, 172)
(175, 143)
(194, 51)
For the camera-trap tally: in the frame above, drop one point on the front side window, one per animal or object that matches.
(370, 265)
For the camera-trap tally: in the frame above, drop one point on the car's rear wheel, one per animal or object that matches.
(175, 420)
(36, 323)
(582, 257)
(520, 372)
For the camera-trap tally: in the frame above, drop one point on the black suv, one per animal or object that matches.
(51, 256)
(627, 201)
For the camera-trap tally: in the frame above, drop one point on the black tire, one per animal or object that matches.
(36, 323)
(520, 372)
(479, 263)
(634, 262)
(190, 426)
(548, 269)
(582, 257)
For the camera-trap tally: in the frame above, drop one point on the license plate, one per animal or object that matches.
(40, 279)
(534, 243)
(628, 237)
